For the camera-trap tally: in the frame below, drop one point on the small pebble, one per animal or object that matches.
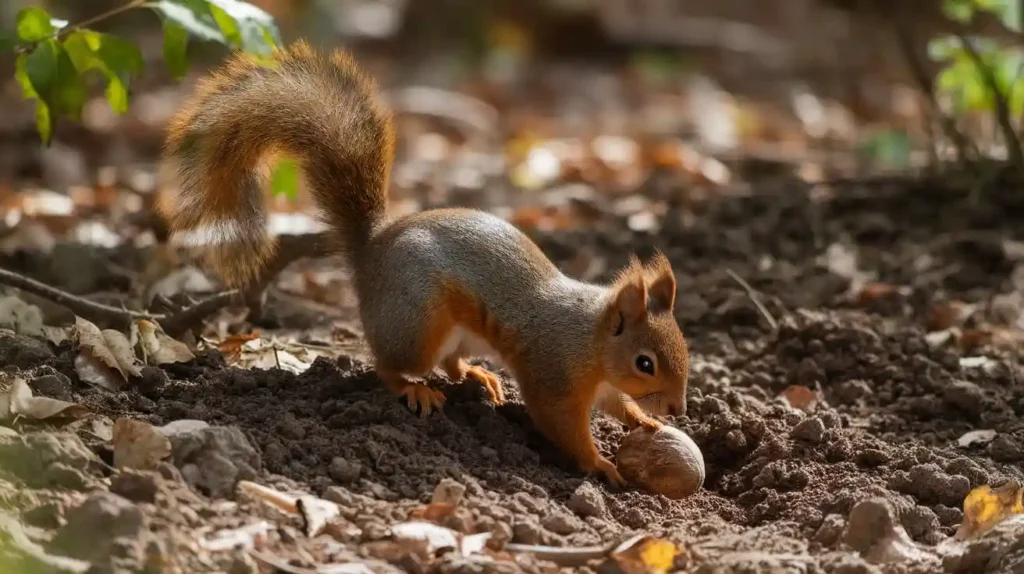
(559, 522)
(586, 500)
(343, 470)
(527, 533)
(811, 430)
(448, 491)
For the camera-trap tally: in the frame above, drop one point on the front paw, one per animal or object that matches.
(605, 468)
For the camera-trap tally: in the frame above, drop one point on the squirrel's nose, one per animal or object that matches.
(677, 409)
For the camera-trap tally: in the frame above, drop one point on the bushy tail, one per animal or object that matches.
(320, 110)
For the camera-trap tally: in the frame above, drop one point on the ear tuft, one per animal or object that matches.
(631, 300)
(661, 282)
(630, 292)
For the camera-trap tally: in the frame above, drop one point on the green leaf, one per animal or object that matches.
(959, 10)
(228, 26)
(284, 179)
(48, 75)
(117, 59)
(175, 48)
(44, 125)
(41, 69)
(44, 122)
(231, 22)
(36, 25)
(256, 30)
(192, 15)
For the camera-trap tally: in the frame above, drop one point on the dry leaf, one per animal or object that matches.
(285, 502)
(316, 513)
(946, 314)
(245, 537)
(438, 537)
(800, 397)
(231, 347)
(974, 437)
(649, 555)
(264, 354)
(139, 445)
(873, 292)
(985, 507)
(433, 512)
(19, 403)
(56, 335)
(158, 348)
(106, 358)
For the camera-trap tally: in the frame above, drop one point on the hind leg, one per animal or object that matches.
(458, 369)
(402, 357)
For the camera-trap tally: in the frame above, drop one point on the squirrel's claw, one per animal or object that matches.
(605, 468)
(490, 381)
(422, 399)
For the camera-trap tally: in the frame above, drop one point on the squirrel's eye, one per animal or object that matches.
(644, 364)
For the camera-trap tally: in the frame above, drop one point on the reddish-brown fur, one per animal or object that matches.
(324, 113)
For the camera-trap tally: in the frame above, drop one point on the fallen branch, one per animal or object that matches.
(754, 298)
(173, 323)
(176, 322)
(578, 556)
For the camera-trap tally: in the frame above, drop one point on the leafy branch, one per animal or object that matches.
(981, 76)
(57, 61)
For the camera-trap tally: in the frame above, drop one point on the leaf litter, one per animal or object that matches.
(19, 404)
(106, 358)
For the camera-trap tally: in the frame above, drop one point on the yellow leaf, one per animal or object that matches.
(985, 507)
(647, 556)
(658, 554)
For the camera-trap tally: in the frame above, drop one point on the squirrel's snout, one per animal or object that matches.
(677, 408)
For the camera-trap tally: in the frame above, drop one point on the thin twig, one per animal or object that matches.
(174, 323)
(177, 323)
(961, 142)
(1013, 147)
(754, 298)
(578, 556)
(91, 20)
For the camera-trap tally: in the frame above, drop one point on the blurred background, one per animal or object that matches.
(556, 113)
(808, 85)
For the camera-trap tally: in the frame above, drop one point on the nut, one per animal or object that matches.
(666, 461)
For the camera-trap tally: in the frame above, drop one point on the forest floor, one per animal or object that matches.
(867, 473)
(854, 377)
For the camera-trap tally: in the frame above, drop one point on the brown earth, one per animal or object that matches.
(781, 482)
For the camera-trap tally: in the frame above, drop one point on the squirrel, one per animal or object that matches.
(437, 287)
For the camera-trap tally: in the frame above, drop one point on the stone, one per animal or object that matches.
(344, 471)
(586, 500)
(213, 459)
(448, 491)
(94, 526)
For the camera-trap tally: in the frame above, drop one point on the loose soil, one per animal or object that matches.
(781, 481)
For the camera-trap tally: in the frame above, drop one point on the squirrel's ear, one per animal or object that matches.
(631, 300)
(662, 282)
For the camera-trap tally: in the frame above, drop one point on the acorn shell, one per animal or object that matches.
(666, 461)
